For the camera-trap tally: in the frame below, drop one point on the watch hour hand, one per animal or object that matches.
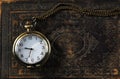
(29, 48)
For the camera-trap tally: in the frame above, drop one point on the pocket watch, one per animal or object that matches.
(31, 48)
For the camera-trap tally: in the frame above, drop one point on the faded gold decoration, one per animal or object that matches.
(115, 71)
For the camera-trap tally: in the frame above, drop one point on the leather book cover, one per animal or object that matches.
(83, 45)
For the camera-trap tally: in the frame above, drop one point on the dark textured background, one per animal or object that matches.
(82, 46)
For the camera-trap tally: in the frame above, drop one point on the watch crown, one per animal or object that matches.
(28, 26)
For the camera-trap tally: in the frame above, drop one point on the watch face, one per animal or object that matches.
(31, 48)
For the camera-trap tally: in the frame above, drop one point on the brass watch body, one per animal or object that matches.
(33, 46)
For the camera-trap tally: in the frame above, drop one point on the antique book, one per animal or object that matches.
(84, 37)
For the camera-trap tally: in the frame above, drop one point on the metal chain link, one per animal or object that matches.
(82, 11)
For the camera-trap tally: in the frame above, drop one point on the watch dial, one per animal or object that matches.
(31, 48)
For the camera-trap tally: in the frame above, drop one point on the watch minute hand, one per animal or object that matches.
(29, 53)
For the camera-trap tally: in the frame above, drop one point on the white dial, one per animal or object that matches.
(31, 48)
